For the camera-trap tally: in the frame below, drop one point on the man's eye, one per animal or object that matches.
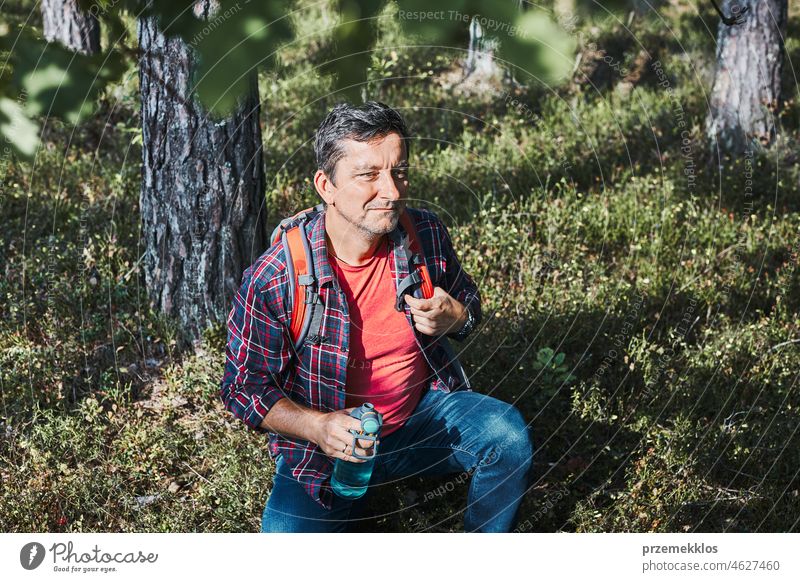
(401, 174)
(368, 175)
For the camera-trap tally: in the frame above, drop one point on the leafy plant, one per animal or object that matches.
(551, 370)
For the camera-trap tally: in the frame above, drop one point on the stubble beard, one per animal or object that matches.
(370, 230)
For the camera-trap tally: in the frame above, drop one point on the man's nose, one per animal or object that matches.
(387, 187)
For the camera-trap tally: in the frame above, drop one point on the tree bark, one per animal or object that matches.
(64, 21)
(480, 53)
(745, 97)
(202, 188)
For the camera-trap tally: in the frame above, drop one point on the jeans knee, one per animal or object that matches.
(272, 523)
(514, 444)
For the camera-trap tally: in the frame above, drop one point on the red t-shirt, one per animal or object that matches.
(385, 364)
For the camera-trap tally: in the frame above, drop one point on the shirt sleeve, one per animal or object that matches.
(257, 357)
(458, 282)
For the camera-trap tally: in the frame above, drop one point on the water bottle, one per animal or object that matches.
(350, 480)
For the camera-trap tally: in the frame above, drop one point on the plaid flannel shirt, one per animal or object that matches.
(262, 365)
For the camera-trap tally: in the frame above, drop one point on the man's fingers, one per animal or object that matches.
(423, 317)
(345, 452)
(337, 442)
(413, 301)
(365, 444)
(420, 305)
(349, 454)
(426, 329)
(362, 452)
(345, 444)
(348, 422)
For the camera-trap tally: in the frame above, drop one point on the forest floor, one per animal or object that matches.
(596, 223)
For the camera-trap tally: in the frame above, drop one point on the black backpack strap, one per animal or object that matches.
(315, 322)
(411, 281)
(461, 374)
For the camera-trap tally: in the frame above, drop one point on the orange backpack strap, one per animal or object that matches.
(298, 274)
(418, 271)
(307, 308)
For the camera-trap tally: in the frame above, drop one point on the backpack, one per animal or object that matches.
(307, 306)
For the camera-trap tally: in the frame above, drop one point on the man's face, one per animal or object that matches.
(371, 182)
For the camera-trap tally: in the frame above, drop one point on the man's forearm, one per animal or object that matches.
(289, 419)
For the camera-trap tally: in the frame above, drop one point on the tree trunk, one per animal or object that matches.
(745, 97)
(202, 188)
(480, 53)
(65, 22)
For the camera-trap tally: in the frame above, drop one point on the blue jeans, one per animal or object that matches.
(447, 433)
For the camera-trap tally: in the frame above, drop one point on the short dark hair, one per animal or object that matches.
(361, 123)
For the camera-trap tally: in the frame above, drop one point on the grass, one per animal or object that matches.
(675, 303)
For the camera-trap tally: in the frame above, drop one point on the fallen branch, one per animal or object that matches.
(786, 343)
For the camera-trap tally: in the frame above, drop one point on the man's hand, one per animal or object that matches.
(438, 315)
(331, 433)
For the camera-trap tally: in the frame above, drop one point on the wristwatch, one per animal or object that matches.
(466, 328)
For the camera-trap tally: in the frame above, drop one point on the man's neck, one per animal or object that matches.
(354, 247)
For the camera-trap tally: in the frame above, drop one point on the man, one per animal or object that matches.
(367, 350)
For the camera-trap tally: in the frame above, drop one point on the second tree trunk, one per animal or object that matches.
(63, 21)
(745, 98)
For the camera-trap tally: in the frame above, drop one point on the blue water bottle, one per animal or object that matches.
(350, 480)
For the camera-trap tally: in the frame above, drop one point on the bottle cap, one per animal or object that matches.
(370, 425)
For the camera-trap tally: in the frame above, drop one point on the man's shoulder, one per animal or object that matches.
(430, 228)
(268, 271)
(426, 222)
(272, 263)
(423, 215)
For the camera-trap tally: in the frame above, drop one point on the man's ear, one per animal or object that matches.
(324, 187)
